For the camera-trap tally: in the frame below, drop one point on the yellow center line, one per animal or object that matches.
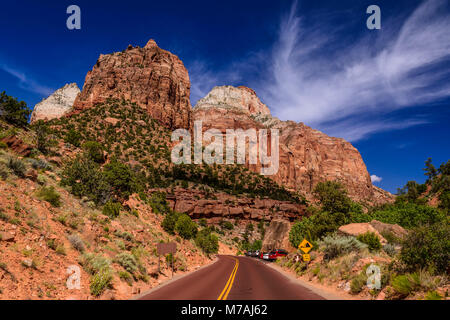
(226, 290)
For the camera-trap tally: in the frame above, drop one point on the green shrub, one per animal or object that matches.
(121, 178)
(126, 276)
(3, 145)
(226, 225)
(357, 284)
(40, 164)
(170, 221)
(17, 166)
(427, 247)
(207, 241)
(112, 209)
(93, 264)
(85, 178)
(185, 227)
(128, 262)
(403, 284)
(50, 195)
(73, 137)
(371, 239)
(433, 295)
(101, 281)
(13, 111)
(94, 151)
(336, 245)
(159, 203)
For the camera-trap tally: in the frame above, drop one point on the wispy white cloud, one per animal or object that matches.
(347, 92)
(27, 83)
(350, 90)
(375, 178)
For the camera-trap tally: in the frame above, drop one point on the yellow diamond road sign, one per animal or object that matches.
(305, 246)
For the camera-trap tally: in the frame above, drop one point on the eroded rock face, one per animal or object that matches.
(193, 203)
(153, 78)
(234, 99)
(307, 156)
(277, 235)
(56, 105)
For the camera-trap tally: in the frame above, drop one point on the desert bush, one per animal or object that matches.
(126, 276)
(404, 284)
(357, 284)
(73, 137)
(170, 221)
(226, 225)
(390, 249)
(427, 247)
(76, 242)
(93, 263)
(127, 261)
(94, 151)
(336, 245)
(40, 164)
(159, 203)
(101, 281)
(50, 195)
(85, 178)
(112, 209)
(4, 171)
(3, 145)
(433, 295)
(207, 241)
(185, 227)
(121, 178)
(371, 239)
(17, 166)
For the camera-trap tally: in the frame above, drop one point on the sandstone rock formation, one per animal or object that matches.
(307, 156)
(193, 203)
(356, 229)
(57, 104)
(277, 235)
(153, 78)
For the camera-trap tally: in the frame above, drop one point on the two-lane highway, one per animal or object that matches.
(233, 278)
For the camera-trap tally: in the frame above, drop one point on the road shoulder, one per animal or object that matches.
(175, 278)
(322, 290)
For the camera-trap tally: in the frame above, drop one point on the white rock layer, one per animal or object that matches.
(57, 104)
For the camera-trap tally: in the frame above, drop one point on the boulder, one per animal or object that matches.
(355, 229)
(394, 229)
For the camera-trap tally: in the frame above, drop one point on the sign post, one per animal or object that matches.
(166, 248)
(306, 247)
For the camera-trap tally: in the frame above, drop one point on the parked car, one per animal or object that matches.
(261, 254)
(249, 253)
(256, 253)
(266, 256)
(275, 254)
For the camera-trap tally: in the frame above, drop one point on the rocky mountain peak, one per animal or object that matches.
(237, 98)
(57, 104)
(153, 78)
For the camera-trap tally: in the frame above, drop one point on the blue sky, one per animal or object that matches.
(387, 91)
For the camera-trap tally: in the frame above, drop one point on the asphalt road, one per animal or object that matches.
(233, 278)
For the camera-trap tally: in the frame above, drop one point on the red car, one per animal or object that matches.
(273, 255)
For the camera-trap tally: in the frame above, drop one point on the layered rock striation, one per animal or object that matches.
(306, 156)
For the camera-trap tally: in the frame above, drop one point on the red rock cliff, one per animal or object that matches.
(307, 156)
(153, 78)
